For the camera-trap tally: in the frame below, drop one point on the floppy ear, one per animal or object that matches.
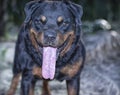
(77, 12)
(30, 7)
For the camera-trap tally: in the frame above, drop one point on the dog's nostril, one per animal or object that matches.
(50, 37)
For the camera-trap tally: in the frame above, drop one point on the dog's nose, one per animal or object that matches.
(50, 35)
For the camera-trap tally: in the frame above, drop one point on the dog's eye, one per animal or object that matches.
(65, 23)
(36, 21)
(43, 19)
(60, 20)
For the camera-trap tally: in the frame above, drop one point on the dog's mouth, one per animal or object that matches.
(49, 54)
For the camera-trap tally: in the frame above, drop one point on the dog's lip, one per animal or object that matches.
(59, 48)
(42, 46)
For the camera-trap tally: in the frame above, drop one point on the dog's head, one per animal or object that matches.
(53, 26)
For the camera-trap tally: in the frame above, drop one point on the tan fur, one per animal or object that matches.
(68, 46)
(32, 38)
(14, 84)
(71, 90)
(60, 19)
(43, 19)
(71, 69)
(45, 88)
(37, 71)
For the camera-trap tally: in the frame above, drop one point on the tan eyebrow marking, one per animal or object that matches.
(43, 18)
(60, 19)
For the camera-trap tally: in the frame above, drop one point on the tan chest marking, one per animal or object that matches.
(71, 70)
(37, 71)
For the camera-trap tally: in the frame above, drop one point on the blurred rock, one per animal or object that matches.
(5, 79)
(7, 51)
(101, 73)
(101, 24)
(97, 25)
(101, 45)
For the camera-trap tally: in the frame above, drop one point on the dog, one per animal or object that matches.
(49, 47)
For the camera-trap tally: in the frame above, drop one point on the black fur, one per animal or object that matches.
(26, 56)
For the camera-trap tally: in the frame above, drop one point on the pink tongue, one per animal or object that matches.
(49, 62)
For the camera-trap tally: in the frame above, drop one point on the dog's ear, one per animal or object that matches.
(30, 7)
(77, 11)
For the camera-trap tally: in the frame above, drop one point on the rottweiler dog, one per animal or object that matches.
(49, 47)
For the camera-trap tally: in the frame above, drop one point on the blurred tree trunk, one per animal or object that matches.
(115, 7)
(97, 9)
(2, 23)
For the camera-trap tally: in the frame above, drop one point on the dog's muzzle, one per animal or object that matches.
(50, 43)
(50, 38)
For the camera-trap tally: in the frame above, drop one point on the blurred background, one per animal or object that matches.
(101, 35)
